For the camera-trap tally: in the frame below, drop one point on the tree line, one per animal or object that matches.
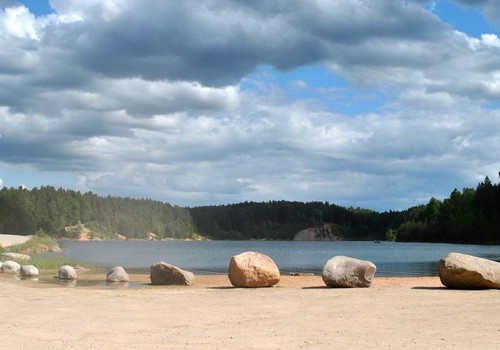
(468, 216)
(281, 220)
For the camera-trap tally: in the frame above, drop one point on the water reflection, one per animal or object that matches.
(29, 278)
(65, 282)
(117, 285)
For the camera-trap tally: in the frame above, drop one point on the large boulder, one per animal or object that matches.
(117, 274)
(464, 271)
(16, 256)
(162, 273)
(66, 272)
(251, 269)
(344, 271)
(11, 267)
(29, 271)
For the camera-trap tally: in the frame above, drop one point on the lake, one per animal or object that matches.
(212, 257)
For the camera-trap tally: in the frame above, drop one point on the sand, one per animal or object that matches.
(299, 313)
(10, 240)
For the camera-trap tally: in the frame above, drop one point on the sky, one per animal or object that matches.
(373, 104)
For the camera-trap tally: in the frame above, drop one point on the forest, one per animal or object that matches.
(467, 216)
(55, 211)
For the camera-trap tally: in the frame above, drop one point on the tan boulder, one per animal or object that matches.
(464, 271)
(251, 269)
(346, 272)
(117, 274)
(66, 272)
(162, 273)
(29, 271)
(11, 267)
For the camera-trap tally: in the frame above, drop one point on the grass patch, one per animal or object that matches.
(53, 263)
(42, 243)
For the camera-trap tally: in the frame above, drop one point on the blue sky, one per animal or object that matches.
(380, 105)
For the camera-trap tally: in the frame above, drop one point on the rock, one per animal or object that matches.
(343, 271)
(165, 274)
(66, 272)
(464, 271)
(1, 263)
(251, 269)
(16, 256)
(29, 271)
(11, 267)
(117, 274)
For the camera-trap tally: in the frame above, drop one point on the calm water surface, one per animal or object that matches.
(212, 257)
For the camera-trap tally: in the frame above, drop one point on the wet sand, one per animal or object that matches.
(300, 312)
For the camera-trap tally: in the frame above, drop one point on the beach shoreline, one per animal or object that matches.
(300, 312)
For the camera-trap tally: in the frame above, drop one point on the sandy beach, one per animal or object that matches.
(10, 240)
(299, 313)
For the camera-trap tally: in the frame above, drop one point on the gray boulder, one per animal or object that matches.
(11, 267)
(66, 272)
(251, 269)
(162, 273)
(16, 256)
(343, 271)
(29, 271)
(117, 274)
(1, 263)
(464, 271)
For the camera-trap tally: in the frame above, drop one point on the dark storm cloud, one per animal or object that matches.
(218, 42)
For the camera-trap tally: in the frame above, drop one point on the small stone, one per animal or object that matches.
(251, 269)
(117, 274)
(343, 271)
(29, 271)
(162, 273)
(11, 267)
(66, 272)
(464, 271)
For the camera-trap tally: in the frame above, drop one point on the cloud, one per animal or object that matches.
(154, 100)
(491, 8)
(185, 41)
(491, 40)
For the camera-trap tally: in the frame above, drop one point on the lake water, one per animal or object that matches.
(212, 257)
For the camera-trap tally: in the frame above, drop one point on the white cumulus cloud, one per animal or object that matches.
(160, 100)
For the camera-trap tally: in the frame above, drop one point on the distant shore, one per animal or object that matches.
(300, 312)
